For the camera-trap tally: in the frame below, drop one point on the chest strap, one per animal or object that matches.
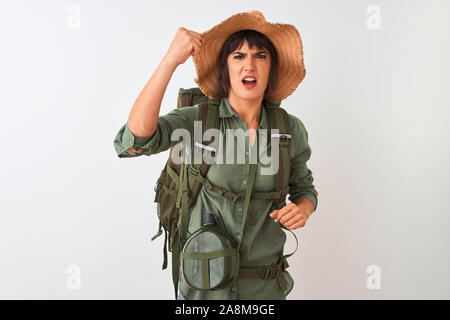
(195, 174)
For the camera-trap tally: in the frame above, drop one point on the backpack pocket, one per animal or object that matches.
(168, 213)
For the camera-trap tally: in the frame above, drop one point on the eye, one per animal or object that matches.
(259, 56)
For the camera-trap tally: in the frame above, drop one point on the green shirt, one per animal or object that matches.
(263, 240)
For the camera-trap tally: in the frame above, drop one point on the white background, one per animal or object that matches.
(375, 103)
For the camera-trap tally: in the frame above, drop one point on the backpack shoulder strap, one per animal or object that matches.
(209, 115)
(190, 187)
(279, 119)
(190, 97)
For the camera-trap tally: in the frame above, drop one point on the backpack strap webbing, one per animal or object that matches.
(279, 119)
(190, 189)
(176, 249)
(209, 114)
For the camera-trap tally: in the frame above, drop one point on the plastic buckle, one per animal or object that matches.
(158, 186)
(284, 264)
(208, 185)
(284, 141)
(183, 192)
(193, 170)
(271, 273)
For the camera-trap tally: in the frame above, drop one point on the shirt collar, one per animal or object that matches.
(225, 111)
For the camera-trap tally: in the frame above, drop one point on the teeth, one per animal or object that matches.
(249, 79)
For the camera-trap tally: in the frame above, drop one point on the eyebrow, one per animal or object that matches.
(244, 54)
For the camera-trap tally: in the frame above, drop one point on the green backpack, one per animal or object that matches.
(178, 185)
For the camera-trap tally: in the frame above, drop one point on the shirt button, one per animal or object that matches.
(240, 209)
(244, 181)
(247, 153)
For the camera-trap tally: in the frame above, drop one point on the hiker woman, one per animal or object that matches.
(247, 66)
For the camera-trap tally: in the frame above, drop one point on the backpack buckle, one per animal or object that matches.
(193, 170)
(271, 273)
(208, 185)
(284, 263)
(284, 140)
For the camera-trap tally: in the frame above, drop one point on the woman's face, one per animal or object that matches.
(245, 62)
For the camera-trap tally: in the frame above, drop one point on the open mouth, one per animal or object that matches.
(249, 82)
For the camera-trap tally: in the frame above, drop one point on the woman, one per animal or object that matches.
(248, 63)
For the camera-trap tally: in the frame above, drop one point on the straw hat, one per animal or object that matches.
(285, 38)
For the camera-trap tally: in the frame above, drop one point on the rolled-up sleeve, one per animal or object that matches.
(301, 178)
(160, 140)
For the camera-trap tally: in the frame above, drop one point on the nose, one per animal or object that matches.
(249, 64)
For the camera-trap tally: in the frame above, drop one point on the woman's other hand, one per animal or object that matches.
(184, 44)
(292, 216)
